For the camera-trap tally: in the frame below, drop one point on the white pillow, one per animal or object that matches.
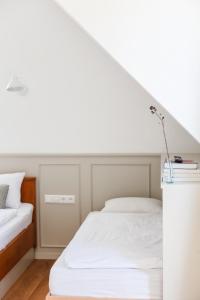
(133, 204)
(14, 180)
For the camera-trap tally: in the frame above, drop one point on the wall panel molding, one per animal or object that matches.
(58, 179)
(84, 176)
(120, 180)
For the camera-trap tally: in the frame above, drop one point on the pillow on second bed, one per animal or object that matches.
(133, 204)
(14, 180)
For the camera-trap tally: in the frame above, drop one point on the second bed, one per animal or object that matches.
(116, 254)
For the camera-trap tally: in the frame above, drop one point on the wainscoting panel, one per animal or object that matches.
(59, 222)
(91, 178)
(111, 181)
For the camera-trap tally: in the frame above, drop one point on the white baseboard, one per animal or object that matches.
(47, 254)
(16, 272)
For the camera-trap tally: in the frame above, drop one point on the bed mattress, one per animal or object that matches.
(17, 224)
(114, 283)
(117, 240)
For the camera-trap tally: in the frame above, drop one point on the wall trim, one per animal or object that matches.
(48, 254)
(47, 155)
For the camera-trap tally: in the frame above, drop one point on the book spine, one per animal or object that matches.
(183, 171)
(182, 166)
(186, 179)
(182, 175)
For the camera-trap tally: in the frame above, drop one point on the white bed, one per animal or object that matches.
(114, 254)
(15, 225)
(114, 283)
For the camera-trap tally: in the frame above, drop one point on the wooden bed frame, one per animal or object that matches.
(25, 240)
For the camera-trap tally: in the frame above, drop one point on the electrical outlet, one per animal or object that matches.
(61, 199)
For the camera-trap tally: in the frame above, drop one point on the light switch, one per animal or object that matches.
(61, 199)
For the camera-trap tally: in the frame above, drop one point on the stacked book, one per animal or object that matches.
(185, 171)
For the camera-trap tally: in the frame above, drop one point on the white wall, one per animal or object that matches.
(181, 241)
(79, 100)
(157, 42)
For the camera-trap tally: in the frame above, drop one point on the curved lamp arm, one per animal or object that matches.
(155, 112)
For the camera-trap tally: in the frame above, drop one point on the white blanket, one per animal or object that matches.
(6, 215)
(117, 240)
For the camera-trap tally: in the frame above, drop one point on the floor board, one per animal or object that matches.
(33, 283)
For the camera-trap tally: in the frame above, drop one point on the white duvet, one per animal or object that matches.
(6, 215)
(117, 240)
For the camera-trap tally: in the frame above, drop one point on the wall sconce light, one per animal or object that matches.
(15, 85)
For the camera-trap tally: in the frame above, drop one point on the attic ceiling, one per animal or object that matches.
(79, 99)
(156, 42)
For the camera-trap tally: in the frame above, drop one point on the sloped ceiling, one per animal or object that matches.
(79, 100)
(157, 42)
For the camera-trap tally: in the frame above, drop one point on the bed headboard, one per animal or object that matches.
(28, 192)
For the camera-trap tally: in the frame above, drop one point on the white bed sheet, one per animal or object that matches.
(117, 240)
(6, 215)
(114, 283)
(12, 228)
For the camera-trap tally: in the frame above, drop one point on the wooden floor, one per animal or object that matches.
(33, 284)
